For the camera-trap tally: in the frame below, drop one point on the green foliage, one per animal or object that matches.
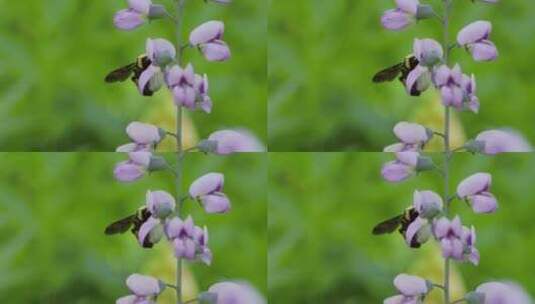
(322, 208)
(54, 207)
(54, 56)
(323, 54)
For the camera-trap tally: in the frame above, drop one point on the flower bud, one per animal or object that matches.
(157, 163)
(157, 11)
(207, 298)
(424, 11)
(424, 163)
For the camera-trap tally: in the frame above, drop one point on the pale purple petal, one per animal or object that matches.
(474, 32)
(411, 133)
(409, 158)
(141, 6)
(131, 299)
(483, 203)
(396, 20)
(236, 293)
(128, 19)
(215, 203)
(207, 184)
(143, 133)
(142, 285)
(410, 285)
(230, 141)
(399, 299)
(501, 141)
(409, 6)
(146, 76)
(396, 172)
(207, 32)
(128, 172)
(503, 293)
(484, 51)
(474, 184)
(146, 229)
(217, 50)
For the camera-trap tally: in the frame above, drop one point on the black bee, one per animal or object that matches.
(137, 219)
(392, 72)
(402, 221)
(123, 73)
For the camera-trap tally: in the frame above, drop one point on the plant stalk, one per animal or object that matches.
(179, 148)
(447, 148)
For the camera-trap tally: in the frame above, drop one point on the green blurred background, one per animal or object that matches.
(323, 54)
(54, 207)
(322, 207)
(54, 55)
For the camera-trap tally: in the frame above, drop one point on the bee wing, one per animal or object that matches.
(388, 226)
(121, 74)
(388, 74)
(120, 226)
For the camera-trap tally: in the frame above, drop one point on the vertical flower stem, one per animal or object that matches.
(179, 148)
(447, 149)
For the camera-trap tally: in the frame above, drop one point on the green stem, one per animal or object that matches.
(447, 149)
(179, 148)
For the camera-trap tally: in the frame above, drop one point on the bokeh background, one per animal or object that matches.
(323, 206)
(54, 55)
(54, 208)
(323, 54)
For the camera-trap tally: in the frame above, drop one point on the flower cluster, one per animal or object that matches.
(189, 241)
(429, 217)
(160, 217)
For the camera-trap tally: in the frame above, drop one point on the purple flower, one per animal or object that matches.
(475, 189)
(230, 141)
(428, 51)
(475, 37)
(134, 16)
(189, 241)
(503, 293)
(236, 293)
(402, 16)
(134, 168)
(457, 90)
(450, 233)
(160, 203)
(145, 289)
(402, 168)
(189, 90)
(207, 37)
(469, 240)
(418, 232)
(412, 137)
(150, 232)
(457, 242)
(501, 141)
(144, 137)
(160, 51)
(412, 290)
(427, 203)
(208, 189)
